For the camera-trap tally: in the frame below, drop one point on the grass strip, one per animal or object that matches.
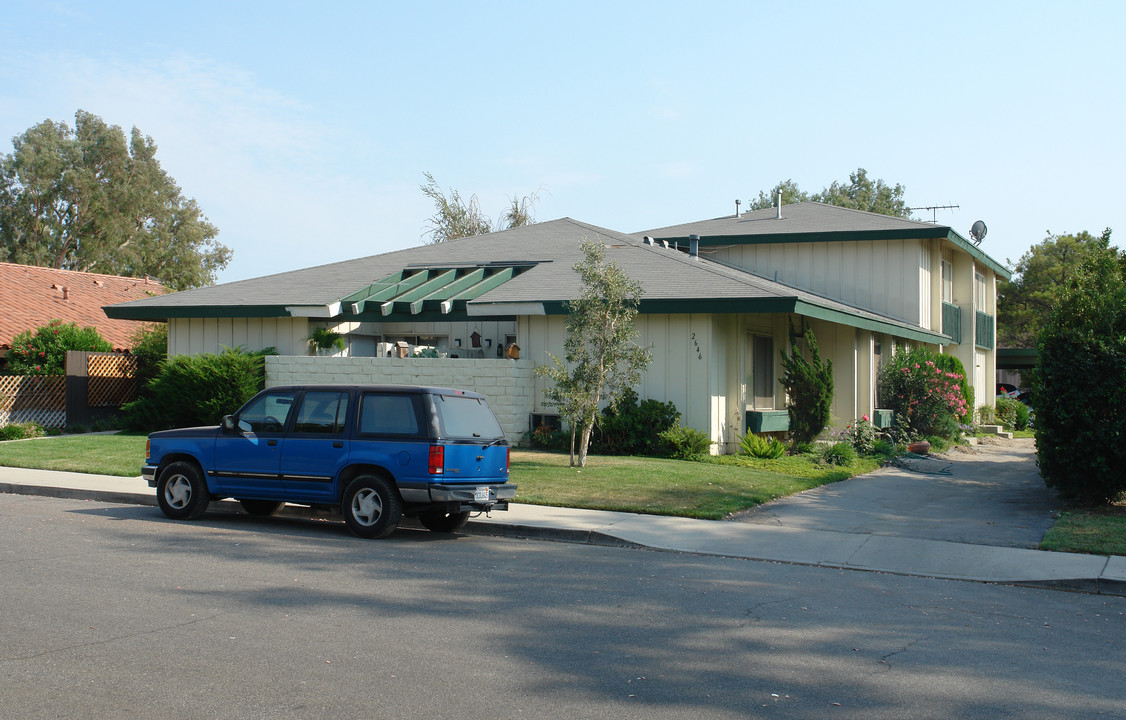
(1098, 531)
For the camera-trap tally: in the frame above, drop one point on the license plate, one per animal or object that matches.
(481, 494)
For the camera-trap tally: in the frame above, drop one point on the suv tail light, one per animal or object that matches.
(437, 460)
(507, 458)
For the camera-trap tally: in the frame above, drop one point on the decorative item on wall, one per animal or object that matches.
(475, 339)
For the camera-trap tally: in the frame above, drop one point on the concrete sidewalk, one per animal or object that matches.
(823, 548)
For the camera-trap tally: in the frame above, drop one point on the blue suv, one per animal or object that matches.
(373, 452)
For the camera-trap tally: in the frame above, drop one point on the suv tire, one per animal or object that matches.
(181, 492)
(443, 522)
(261, 507)
(372, 507)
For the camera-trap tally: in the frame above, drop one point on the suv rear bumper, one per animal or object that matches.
(463, 493)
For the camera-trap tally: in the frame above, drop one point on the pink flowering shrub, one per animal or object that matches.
(926, 399)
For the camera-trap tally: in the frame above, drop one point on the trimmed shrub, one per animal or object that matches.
(809, 391)
(761, 447)
(840, 453)
(684, 443)
(150, 347)
(43, 352)
(632, 428)
(197, 390)
(21, 431)
(1079, 389)
(1012, 414)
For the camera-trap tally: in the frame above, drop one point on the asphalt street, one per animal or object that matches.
(109, 610)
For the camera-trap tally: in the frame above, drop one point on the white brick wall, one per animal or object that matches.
(509, 385)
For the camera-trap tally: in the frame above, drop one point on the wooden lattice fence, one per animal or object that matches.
(95, 385)
(112, 379)
(33, 398)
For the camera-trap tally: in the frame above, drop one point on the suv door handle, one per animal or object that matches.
(337, 444)
(271, 443)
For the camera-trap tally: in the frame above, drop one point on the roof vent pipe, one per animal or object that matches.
(779, 204)
(738, 202)
(693, 246)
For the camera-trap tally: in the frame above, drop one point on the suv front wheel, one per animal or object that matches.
(181, 491)
(372, 507)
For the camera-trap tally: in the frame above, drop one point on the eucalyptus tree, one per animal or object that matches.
(86, 198)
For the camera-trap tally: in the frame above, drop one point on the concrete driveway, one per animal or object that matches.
(993, 495)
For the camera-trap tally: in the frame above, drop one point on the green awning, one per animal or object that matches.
(415, 291)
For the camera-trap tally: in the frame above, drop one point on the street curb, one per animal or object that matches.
(533, 532)
(1096, 585)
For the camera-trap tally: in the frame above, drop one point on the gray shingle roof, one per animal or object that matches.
(804, 217)
(671, 280)
(816, 222)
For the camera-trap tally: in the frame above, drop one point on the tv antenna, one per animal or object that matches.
(934, 210)
(978, 231)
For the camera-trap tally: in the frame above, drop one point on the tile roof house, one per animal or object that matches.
(720, 298)
(32, 296)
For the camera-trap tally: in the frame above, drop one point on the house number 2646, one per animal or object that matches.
(696, 345)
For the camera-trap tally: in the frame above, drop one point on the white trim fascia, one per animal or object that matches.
(511, 308)
(314, 311)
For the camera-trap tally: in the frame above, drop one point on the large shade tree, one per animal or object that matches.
(859, 193)
(1025, 302)
(88, 198)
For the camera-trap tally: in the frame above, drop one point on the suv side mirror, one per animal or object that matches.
(228, 423)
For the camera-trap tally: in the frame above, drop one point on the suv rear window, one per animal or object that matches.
(466, 417)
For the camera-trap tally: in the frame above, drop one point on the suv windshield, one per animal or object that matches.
(467, 417)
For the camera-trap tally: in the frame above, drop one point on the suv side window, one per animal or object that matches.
(390, 414)
(268, 413)
(322, 412)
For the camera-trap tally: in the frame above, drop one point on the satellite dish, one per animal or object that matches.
(978, 231)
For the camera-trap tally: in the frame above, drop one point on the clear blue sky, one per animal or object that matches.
(303, 129)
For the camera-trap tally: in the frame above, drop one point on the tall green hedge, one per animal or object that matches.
(193, 390)
(1079, 390)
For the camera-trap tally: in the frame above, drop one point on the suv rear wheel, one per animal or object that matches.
(372, 507)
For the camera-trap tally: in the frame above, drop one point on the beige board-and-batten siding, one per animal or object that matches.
(192, 336)
(508, 385)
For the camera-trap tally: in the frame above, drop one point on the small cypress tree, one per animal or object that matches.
(809, 390)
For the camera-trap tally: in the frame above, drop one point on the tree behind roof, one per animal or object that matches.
(860, 193)
(85, 199)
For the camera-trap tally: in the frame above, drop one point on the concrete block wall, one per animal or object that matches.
(509, 385)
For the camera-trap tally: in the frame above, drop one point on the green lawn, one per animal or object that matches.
(666, 487)
(120, 454)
